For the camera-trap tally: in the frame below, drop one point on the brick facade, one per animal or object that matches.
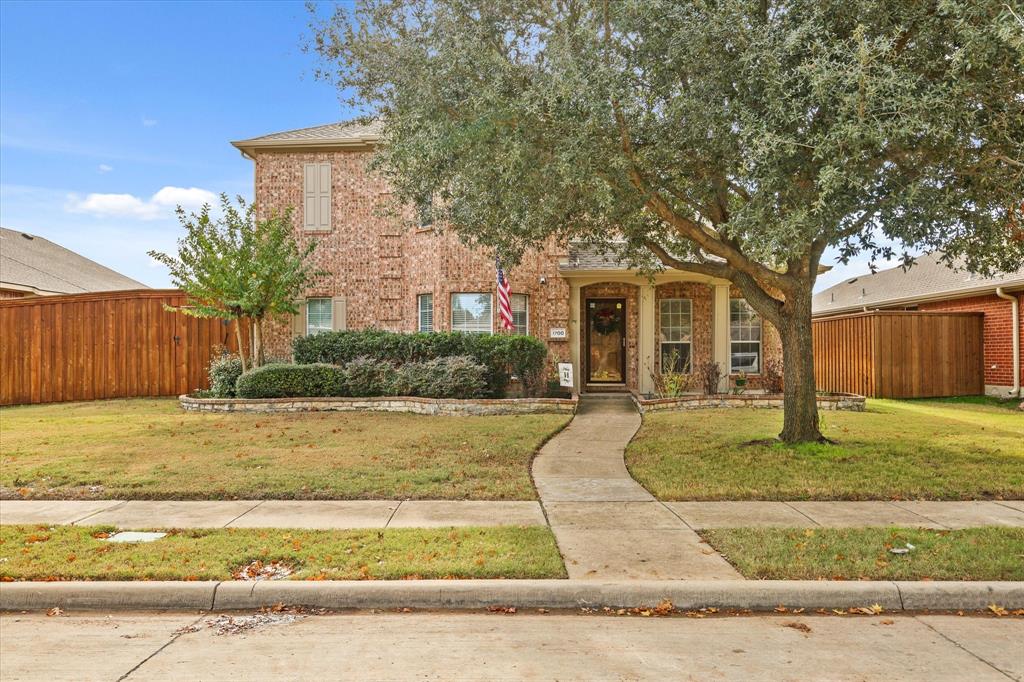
(997, 332)
(379, 260)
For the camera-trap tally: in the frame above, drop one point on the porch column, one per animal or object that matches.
(575, 340)
(720, 333)
(646, 339)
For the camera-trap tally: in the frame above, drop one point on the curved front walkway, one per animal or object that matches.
(607, 525)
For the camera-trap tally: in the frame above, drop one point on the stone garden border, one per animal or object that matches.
(834, 401)
(414, 405)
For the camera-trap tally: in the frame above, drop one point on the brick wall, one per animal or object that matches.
(997, 332)
(380, 262)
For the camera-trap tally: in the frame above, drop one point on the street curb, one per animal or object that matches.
(756, 595)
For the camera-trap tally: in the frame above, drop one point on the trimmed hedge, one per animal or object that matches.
(292, 381)
(458, 376)
(455, 377)
(502, 355)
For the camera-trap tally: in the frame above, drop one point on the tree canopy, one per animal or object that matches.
(235, 266)
(733, 138)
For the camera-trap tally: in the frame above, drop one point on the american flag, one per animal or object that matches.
(504, 298)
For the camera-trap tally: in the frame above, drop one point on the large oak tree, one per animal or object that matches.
(733, 138)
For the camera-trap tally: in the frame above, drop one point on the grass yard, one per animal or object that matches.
(939, 450)
(989, 553)
(32, 552)
(151, 449)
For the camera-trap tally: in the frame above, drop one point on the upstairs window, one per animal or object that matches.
(425, 215)
(472, 313)
(675, 334)
(425, 307)
(316, 204)
(744, 338)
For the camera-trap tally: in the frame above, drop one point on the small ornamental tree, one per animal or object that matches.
(235, 266)
(738, 139)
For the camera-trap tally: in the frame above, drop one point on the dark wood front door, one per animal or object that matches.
(606, 341)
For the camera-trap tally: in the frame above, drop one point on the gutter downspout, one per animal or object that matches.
(1015, 391)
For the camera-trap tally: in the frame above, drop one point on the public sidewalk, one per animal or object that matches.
(636, 514)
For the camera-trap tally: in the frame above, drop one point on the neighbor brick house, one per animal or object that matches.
(401, 273)
(932, 286)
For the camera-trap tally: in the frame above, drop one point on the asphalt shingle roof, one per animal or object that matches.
(342, 131)
(928, 278)
(42, 266)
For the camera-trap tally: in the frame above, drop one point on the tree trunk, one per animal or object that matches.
(800, 404)
(257, 344)
(241, 346)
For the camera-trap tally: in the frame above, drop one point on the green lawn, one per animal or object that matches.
(863, 553)
(151, 449)
(942, 450)
(79, 553)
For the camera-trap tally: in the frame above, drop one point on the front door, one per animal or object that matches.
(606, 341)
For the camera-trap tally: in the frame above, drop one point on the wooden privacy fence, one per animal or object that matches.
(900, 354)
(115, 344)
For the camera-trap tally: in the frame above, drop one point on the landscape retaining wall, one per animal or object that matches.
(433, 406)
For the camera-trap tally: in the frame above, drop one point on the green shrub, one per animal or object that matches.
(224, 371)
(292, 381)
(367, 376)
(456, 376)
(502, 355)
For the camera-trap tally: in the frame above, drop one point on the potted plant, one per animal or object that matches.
(740, 383)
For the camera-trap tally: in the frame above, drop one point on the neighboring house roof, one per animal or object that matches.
(340, 134)
(928, 279)
(37, 265)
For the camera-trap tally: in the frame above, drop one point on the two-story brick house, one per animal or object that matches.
(400, 273)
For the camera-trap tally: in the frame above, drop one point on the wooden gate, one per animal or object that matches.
(900, 354)
(113, 344)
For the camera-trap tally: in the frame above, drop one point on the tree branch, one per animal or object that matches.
(720, 270)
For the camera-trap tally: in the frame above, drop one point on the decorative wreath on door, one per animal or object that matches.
(606, 321)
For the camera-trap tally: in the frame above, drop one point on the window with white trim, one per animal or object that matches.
(425, 308)
(520, 314)
(319, 315)
(472, 313)
(744, 338)
(675, 334)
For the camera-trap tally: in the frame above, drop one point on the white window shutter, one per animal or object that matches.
(340, 311)
(324, 197)
(310, 185)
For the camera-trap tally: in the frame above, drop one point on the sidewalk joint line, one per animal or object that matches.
(675, 514)
(116, 505)
(169, 642)
(243, 513)
(895, 503)
(1004, 506)
(393, 512)
(801, 513)
(960, 646)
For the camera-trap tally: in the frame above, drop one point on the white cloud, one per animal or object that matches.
(149, 122)
(160, 205)
(104, 168)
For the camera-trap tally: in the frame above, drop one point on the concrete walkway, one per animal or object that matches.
(274, 513)
(608, 527)
(441, 513)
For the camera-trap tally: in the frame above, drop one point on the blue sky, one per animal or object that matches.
(113, 113)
